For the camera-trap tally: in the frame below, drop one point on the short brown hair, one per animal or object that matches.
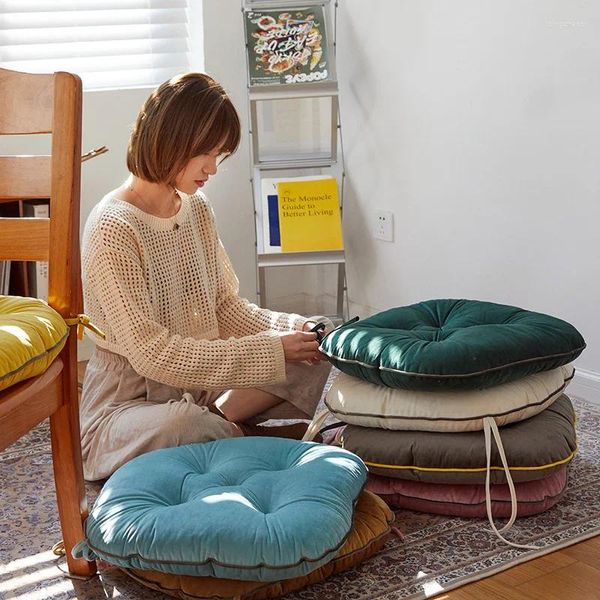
(188, 115)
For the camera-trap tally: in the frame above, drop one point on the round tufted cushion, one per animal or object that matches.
(533, 497)
(534, 449)
(370, 528)
(251, 508)
(359, 402)
(31, 336)
(452, 344)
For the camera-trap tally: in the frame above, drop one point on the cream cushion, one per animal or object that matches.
(359, 402)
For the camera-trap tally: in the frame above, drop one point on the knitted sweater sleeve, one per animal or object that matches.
(237, 315)
(118, 282)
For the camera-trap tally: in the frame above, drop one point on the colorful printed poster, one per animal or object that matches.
(287, 47)
(309, 216)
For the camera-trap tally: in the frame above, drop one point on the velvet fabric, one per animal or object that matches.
(358, 402)
(370, 528)
(31, 336)
(250, 508)
(533, 497)
(452, 344)
(534, 449)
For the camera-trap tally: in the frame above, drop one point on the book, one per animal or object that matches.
(309, 216)
(287, 46)
(300, 214)
(267, 212)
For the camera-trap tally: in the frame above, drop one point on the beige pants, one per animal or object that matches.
(124, 414)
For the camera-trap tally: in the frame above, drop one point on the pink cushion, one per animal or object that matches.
(533, 497)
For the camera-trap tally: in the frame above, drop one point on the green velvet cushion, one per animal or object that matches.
(452, 344)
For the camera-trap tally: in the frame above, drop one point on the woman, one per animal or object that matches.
(185, 359)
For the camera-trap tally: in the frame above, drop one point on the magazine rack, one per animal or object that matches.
(319, 86)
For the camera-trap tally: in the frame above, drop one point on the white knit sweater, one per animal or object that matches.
(164, 292)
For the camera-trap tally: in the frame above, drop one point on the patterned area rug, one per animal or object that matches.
(437, 554)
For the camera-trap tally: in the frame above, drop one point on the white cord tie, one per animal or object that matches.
(315, 425)
(490, 427)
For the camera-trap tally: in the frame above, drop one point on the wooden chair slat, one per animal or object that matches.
(24, 177)
(24, 239)
(64, 269)
(25, 103)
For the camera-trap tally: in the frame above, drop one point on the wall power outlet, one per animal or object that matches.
(383, 225)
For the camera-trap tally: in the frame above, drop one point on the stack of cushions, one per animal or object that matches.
(420, 383)
(245, 517)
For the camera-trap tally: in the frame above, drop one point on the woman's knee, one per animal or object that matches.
(186, 423)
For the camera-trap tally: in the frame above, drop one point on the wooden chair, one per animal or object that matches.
(32, 104)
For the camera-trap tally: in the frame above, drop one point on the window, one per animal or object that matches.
(108, 43)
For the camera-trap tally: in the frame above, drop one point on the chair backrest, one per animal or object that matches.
(42, 104)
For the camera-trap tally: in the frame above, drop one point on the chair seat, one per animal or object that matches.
(31, 336)
(29, 401)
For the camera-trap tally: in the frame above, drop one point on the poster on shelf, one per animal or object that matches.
(287, 46)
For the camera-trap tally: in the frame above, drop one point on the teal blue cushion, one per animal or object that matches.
(257, 508)
(452, 344)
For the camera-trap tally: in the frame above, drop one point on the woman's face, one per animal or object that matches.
(196, 173)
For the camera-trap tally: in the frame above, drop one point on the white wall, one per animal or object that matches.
(478, 124)
(230, 191)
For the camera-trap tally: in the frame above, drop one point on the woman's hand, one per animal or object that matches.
(299, 346)
(323, 330)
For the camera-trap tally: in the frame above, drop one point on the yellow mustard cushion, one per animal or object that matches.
(31, 335)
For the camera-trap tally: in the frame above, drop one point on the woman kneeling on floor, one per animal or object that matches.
(185, 358)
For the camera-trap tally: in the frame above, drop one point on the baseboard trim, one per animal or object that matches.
(586, 384)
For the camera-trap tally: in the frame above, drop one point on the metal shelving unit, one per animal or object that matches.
(329, 161)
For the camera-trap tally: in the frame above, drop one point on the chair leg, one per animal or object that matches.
(67, 463)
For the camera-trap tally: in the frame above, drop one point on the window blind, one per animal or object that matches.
(108, 43)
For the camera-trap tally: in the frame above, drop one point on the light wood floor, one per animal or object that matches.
(572, 573)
